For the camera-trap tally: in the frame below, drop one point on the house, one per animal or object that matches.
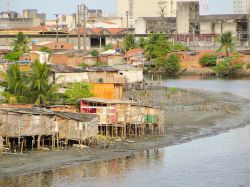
(33, 56)
(53, 45)
(110, 57)
(124, 117)
(106, 82)
(130, 73)
(64, 74)
(69, 58)
(30, 128)
(135, 56)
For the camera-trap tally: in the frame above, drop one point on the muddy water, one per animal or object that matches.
(222, 160)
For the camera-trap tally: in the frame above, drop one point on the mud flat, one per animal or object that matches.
(190, 114)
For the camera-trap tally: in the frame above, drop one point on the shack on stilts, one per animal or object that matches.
(124, 117)
(30, 128)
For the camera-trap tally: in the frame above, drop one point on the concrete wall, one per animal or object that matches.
(132, 76)
(71, 77)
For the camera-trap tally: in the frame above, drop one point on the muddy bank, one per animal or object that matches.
(189, 114)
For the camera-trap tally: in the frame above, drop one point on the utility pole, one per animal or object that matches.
(85, 28)
(78, 26)
(127, 14)
(57, 20)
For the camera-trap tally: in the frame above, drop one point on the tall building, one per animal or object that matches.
(131, 10)
(241, 6)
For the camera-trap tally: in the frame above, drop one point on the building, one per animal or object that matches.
(33, 56)
(131, 10)
(124, 117)
(30, 18)
(53, 45)
(28, 128)
(106, 82)
(64, 74)
(187, 19)
(147, 25)
(241, 6)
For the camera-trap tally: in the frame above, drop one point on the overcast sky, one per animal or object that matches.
(69, 6)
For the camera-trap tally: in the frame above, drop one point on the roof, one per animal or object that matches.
(222, 17)
(106, 101)
(97, 31)
(65, 69)
(127, 67)
(70, 52)
(133, 52)
(109, 52)
(244, 52)
(41, 111)
(100, 69)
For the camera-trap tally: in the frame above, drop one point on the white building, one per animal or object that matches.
(241, 6)
(131, 10)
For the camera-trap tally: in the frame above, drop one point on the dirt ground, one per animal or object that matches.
(190, 114)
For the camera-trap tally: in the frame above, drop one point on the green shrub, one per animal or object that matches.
(94, 53)
(46, 50)
(208, 60)
(248, 66)
(98, 64)
(227, 68)
(172, 65)
(13, 56)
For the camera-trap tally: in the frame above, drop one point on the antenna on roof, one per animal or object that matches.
(8, 6)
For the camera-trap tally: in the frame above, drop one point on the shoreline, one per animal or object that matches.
(187, 127)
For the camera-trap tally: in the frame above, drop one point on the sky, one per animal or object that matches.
(52, 7)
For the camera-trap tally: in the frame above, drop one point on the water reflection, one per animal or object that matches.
(96, 171)
(222, 160)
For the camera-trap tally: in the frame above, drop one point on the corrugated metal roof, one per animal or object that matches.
(41, 111)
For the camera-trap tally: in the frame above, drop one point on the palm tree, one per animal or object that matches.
(20, 43)
(129, 42)
(15, 84)
(42, 89)
(227, 45)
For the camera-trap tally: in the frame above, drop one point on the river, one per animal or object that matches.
(221, 160)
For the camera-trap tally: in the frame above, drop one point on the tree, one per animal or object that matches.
(77, 91)
(46, 50)
(142, 42)
(13, 56)
(157, 46)
(226, 41)
(95, 53)
(15, 84)
(129, 42)
(42, 90)
(170, 64)
(208, 60)
(20, 43)
(227, 67)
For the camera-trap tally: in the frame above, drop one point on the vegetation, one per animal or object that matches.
(208, 60)
(142, 42)
(129, 42)
(248, 66)
(98, 64)
(108, 47)
(32, 88)
(13, 56)
(46, 50)
(76, 92)
(227, 44)
(170, 65)
(227, 67)
(20, 43)
(95, 53)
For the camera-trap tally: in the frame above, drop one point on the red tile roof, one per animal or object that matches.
(97, 31)
(134, 52)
